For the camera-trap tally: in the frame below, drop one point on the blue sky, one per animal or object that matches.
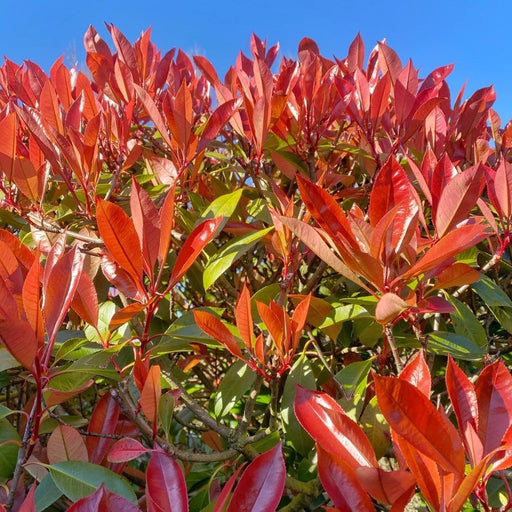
(473, 34)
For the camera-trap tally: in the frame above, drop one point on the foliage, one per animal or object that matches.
(236, 295)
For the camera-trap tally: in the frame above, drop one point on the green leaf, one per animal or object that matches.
(491, 293)
(458, 346)
(466, 323)
(223, 206)
(375, 427)
(353, 378)
(230, 253)
(5, 411)
(46, 493)
(9, 446)
(302, 374)
(7, 361)
(165, 411)
(79, 479)
(238, 379)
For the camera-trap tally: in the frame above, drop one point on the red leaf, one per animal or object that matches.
(261, 485)
(85, 301)
(20, 340)
(500, 191)
(212, 326)
(226, 490)
(61, 284)
(166, 490)
(120, 237)
(355, 57)
(326, 422)
(103, 500)
(417, 373)
(65, 443)
(341, 483)
(389, 61)
(32, 299)
(127, 449)
(391, 187)
(29, 504)
(465, 405)
(453, 243)
(197, 240)
(326, 211)
(386, 486)
(123, 315)
(494, 395)
(412, 416)
(49, 107)
(166, 217)
(243, 317)
(219, 118)
(458, 274)
(104, 420)
(8, 144)
(150, 394)
(458, 198)
(146, 222)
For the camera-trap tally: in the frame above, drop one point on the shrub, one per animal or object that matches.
(236, 295)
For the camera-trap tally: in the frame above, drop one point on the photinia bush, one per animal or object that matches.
(288, 289)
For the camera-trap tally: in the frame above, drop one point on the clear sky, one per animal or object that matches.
(475, 35)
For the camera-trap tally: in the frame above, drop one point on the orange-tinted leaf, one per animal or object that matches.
(146, 222)
(465, 405)
(212, 326)
(455, 242)
(458, 274)
(275, 324)
(494, 395)
(197, 240)
(417, 373)
(120, 238)
(60, 289)
(243, 316)
(457, 199)
(27, 179)
(150, 394)
(389, 307)
(299, 319)
(123, 315)
(262, 483)
(166, 490)
(341, 483)
(85, 301)
(219, 118)
(386, 486)
(8, 144)
(166, 216)
(65, 443)
(326, 422)
(411, 414)
(19, 339)
(32, 299)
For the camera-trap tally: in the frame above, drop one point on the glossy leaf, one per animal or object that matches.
(194, 244)
(261, 485)
(150, 394)
(103, 500)
(166, 490)
(120, 237)
(20, 340)
(332, 429)
(79, 479)
(341, 483)
(104, 420)
(416, 372)
(411, 414)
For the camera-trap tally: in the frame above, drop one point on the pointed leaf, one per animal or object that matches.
(150, 394)
(104, 420)
(332, 429)
(166, 490)
(341, 483)
(103, 500)
(243, 316)
(120, 237)
(127, 449)
(411, 414)
(19, 339)
(417, 373)
(261, 485)
(166, 217)
(197, 240)
(389, 307)
(66, 443)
